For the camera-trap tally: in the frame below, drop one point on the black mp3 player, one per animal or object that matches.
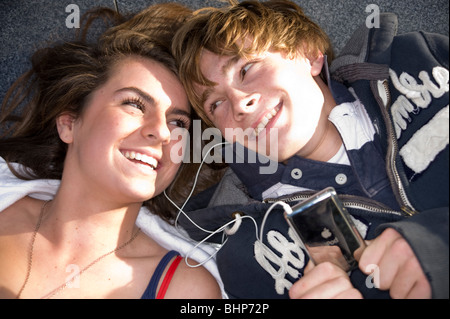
(327, 230)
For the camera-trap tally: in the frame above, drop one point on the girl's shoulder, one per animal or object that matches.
(186, 282)
(20, 217)
(17, 224)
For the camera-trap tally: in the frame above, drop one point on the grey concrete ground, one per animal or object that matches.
(25, 24)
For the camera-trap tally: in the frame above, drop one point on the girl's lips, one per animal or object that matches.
(266, 119)
(140, 157)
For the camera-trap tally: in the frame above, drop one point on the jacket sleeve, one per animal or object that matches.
(427, 234)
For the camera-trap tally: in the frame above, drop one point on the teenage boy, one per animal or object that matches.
(376, 130)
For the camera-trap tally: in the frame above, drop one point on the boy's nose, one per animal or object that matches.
(244, 105)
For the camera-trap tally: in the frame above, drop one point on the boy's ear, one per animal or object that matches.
(64, 124)
(317, 64)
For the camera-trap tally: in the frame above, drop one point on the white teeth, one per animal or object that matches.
(261, 126)
(141, 157)
(275, 111)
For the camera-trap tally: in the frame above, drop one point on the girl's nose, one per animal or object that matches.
(157, 129)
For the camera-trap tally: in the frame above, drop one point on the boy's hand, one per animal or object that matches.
(399, 269)
(324, 281)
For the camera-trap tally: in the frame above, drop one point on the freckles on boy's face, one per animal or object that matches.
(260, 94)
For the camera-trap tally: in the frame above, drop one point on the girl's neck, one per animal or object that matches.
(69, 221)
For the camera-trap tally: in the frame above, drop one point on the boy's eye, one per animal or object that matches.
(213, 106)
(245, 69)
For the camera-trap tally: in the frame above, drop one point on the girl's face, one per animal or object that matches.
(266, 93)
(120, 146)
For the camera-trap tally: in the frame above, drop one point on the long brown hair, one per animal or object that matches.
(61, 79)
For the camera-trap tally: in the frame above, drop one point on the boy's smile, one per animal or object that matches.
(269, 117)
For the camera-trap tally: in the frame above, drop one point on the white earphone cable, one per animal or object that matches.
(237, 221)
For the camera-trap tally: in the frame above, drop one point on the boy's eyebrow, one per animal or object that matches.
(206, 94)
(232, 61)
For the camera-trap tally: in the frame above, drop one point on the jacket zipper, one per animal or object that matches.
(349, 201)
(406, 205)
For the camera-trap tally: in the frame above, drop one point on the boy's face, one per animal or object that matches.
(265, 94)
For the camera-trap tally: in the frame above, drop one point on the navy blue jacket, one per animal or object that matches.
(398, 179)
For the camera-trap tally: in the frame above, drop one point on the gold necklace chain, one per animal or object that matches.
(65, 284)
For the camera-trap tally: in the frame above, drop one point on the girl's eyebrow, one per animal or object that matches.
(181, 112)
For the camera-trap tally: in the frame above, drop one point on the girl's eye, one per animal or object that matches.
(136, 103)
(181, 122)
